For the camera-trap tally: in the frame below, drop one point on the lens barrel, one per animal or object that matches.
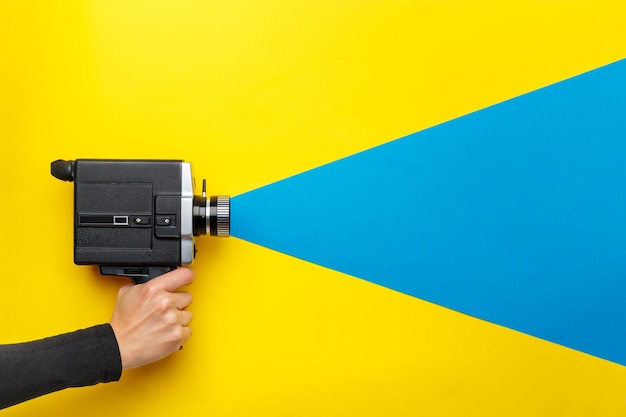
(211, 216)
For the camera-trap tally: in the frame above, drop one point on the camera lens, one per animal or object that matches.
(219, 215)
(211, 215)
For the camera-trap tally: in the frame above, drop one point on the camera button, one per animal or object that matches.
(141, 220)
(165, 220)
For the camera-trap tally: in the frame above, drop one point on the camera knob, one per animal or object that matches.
(63, 170)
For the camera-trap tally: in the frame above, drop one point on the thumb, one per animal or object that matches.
(124, 289)
(173, 280)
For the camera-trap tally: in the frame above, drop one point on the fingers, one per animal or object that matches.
(186, 334)
(181, 300)
(185, 317)
(173, 280)
(150, 320)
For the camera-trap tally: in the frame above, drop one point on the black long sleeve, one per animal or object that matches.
(85, 357)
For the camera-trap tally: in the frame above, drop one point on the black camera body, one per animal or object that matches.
(139, 218)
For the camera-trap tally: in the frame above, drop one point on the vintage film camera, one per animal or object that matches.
(139, 218)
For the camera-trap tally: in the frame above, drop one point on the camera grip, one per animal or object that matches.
(139, 274)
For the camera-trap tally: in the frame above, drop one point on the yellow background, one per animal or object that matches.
(252, 92)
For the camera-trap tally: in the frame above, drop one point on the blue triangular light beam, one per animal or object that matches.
(515, 214)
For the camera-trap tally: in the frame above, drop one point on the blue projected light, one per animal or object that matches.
(515, 214)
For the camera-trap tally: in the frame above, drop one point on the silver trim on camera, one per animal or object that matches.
(187, 241)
